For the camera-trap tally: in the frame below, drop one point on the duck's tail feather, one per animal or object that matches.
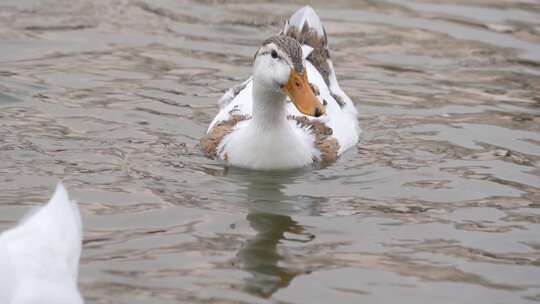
(305, 21)
(306, 27)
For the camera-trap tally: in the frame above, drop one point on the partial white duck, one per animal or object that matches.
(258, 127)
(39, 258)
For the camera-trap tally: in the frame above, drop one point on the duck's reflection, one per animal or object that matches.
(260, 255)
(268, 214)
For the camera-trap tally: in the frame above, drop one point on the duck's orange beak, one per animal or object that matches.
(301, 94)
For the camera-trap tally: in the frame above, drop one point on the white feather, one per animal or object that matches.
(306, 15)
(39, 258)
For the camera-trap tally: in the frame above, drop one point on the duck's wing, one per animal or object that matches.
(41, 254)
(234, 106)
(236, 101)
(341, 114)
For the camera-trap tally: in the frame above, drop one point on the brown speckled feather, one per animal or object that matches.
(324, 142)
(211, 141)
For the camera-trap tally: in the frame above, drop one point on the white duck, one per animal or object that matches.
(39, 259)
(258, 128)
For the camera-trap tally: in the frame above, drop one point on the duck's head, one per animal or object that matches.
(279, 67)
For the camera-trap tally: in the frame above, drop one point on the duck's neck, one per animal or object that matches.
(269, 108)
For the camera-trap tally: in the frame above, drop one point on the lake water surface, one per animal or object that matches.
(438, 203)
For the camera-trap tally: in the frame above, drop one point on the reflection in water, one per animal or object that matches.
(259, 255)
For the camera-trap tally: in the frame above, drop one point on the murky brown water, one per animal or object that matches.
(439, 203)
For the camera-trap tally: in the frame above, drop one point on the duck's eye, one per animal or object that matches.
(274, 54)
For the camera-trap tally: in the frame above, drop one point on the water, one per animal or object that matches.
(439, 203)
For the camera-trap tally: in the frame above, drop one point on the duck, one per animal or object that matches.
(39, 258)
(291, 112)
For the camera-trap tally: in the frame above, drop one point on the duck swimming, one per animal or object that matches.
(39, 258)
(291, 112)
